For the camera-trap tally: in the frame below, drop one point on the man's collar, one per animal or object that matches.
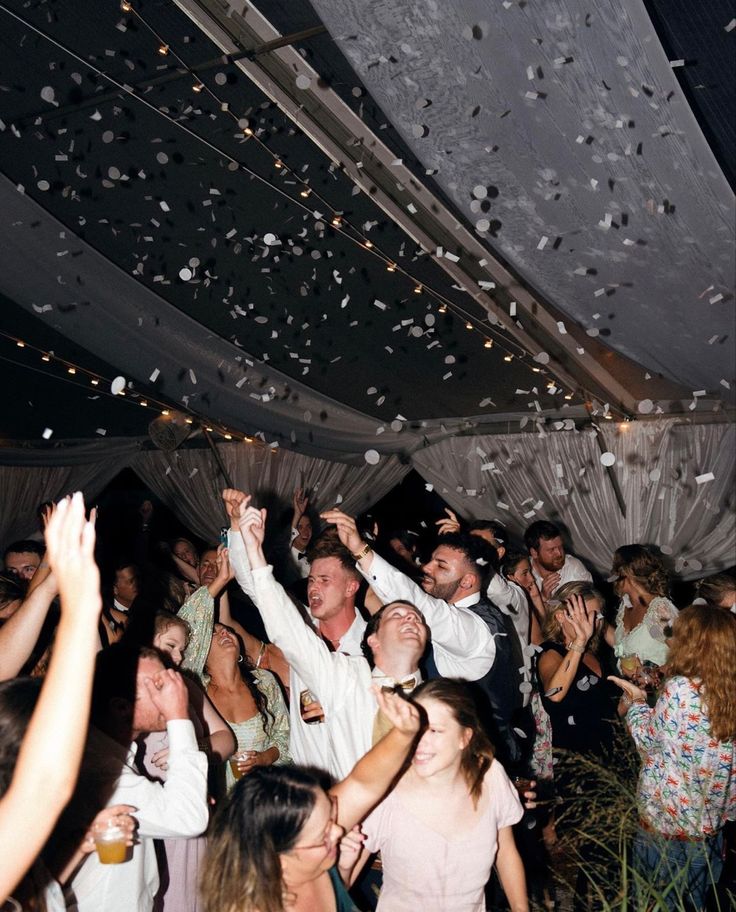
(385, 680)
(469, 600)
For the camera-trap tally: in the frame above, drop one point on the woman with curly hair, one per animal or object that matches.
(645, 614)
(449, 817)
(687, 783)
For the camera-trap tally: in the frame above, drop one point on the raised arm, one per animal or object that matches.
(20, 633)
(459, 637)
(44, 779)
(558, 672)
(372, 775)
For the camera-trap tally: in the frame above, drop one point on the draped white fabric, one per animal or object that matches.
(23, 489)
(189, 483)
(518, 478)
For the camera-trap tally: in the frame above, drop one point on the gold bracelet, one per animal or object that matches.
(573, 647)
(363, 553)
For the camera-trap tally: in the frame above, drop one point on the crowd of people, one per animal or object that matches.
(347, 723)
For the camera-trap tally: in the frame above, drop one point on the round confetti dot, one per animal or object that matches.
(482, 225)
(117, 386)
(162, 158)
(665, 549)
(655, 474)
(357, 92)
(542, 358)
(113, 173)
(371, 457)
(269, 239)
(220, 79)
(396, 425)
(194, 262)
(480, 192)
(43, 185)
(645, 406)
(303, 82)
(430, 319)
(48, 94)
(108, 136)
(185, 273)
(450, 359)
(608, 459)
(419, 130)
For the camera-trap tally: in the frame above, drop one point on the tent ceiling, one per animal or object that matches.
(164, 184)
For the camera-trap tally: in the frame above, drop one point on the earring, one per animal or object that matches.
(240, 659)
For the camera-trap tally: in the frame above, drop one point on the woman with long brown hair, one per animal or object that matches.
(687, 783)
(449, 817)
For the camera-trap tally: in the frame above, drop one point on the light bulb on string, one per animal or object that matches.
(197, 87)
(305, 192)
(163, 49)
(126, 6)
(45, 357)
(417, 289)
(71, 370)
(20, 344)
(468, 325)
(94, 381)
(369, 244)
(337, 221)
(391, 267)
(508, 358)
(278, 163)
(488, 343)
(443, 308)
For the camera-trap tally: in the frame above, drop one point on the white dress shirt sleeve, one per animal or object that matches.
(329, 675)
(239, 563)
(179, 806)
(463, 644)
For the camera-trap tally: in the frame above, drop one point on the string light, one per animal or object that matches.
(417, 289)
(163, 49)
(391, 267)
(228, 436)
(368, 244)
(188, 420)
(125, 6)
(20, 344)
(443, 308)
(165, 412)
(247, 131)
(337, 221)
(197, 87)
(508, 358)
(305, 192)
(143, 403)
(71, 370)
(45, 357)
(537, 370)
(94, 381)
(278, 163)
(568, 396)
(468, 325)
(488, 343)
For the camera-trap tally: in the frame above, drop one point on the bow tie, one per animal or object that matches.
(301, 555)
(407, 685)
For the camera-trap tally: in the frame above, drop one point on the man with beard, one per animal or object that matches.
(472, 638)
(552, 568)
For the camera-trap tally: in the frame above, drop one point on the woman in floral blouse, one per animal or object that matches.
(687, 784)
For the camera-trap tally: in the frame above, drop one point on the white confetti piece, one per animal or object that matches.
(542, 242)
(101, 431)
(608, 459)
(730, 27)
(117, 386)
(47, 433)
(429, 487)
(371, 457)
(165, 206)
(155, 375)
(645, 406)
(185, 273)
(702, 479)
(677, 63)
(193, 472)
(192, 376)
(303, 81)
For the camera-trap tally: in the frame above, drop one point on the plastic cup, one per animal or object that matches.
(110, 842)
(305, 698)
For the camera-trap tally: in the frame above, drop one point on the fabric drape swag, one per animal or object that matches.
(518, 478)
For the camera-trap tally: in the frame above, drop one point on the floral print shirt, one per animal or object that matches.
(687, 783)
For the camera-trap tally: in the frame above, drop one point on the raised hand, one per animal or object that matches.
(225, 573)
(448, 524)
(346, 529)
(549, 584)
(300, 502)
(70, 546)
(401, 713)
(236, 503)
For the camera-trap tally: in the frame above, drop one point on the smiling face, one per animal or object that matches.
(224, 646)
(316, 847)
(401, 638)
(186, 552)
(441, 747)
(172, 641)
(444, 573)
(522, 574)
(304, 533)
(330, 588)
(550, 555)
(208, 567)
(125, 588)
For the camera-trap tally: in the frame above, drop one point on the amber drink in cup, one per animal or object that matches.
(110, 842)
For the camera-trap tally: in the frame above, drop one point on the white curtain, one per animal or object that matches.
(519, 478)
(189, 483)
(30, 477)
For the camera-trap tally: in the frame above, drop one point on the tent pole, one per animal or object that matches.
(617, 493)
(218, 459)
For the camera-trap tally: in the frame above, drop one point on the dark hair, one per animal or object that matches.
(538, 530)
(408, 537)
(116, 668)
(329, 547)
(511, 561)
(245, 669)
(25, 546)
(478, 552)
(263, 817)
(715, 588)
(477, 755)
(18, 698)
(374, 622)
(643, 567)
(10, 589)
(163, 619)
(497, 529)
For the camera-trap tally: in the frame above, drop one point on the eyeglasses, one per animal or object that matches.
(329, 840)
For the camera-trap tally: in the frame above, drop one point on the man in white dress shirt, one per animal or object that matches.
(134, 694)
(551, 566)
(331, 590)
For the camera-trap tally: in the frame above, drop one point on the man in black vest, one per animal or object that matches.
(489, 653)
